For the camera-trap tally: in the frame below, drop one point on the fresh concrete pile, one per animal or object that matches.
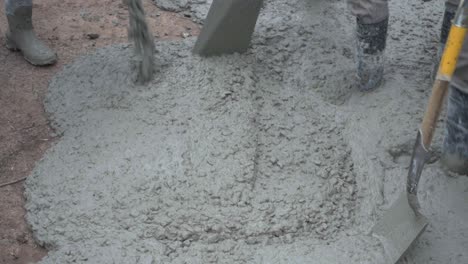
(267, 157)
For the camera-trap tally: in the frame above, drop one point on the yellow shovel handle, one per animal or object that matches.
(447, 67)
(451, 53)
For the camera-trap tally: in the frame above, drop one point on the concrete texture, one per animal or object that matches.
(228, 27)
(195, 9)
(268, 157)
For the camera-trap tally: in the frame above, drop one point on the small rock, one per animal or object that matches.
(15, 253)
(252, 241)
(134, 214)
(145, 259)
(185, 35)
(288, 239)
(22, 238)
(92, 35)
(214, 238)
(210, 248)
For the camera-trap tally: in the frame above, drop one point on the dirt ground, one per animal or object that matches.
(24, 131)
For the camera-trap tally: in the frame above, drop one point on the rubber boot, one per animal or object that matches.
(371, 41)
(455, 150)
(21, 37)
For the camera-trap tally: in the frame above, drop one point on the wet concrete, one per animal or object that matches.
(272, 156)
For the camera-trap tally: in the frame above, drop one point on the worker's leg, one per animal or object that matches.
(450, 10)
(21, 35)
(455, 152)
(369, 11)
(372, 24)
(453, 2)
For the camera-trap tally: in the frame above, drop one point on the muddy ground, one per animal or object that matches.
(24, 131)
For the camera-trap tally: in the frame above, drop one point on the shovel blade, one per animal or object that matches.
(398, 228)
(228, 27)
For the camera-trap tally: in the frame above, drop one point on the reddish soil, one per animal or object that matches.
(24, 131)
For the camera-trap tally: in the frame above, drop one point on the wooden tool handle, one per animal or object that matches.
(436, 101)
(446, 69)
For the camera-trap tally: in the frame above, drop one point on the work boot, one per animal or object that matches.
(371, 41)
(21, 37)
(455, 151)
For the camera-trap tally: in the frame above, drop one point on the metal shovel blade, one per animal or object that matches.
(399, 227)
(403, 223)
(228, 28)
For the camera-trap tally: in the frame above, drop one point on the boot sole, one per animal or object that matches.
(11, 45)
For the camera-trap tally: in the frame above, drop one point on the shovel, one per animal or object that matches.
(228, 27)
(403, 223)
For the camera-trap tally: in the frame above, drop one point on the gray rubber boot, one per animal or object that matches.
(228, 27)
(371, 41)
(21, 37)
(455, 151)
